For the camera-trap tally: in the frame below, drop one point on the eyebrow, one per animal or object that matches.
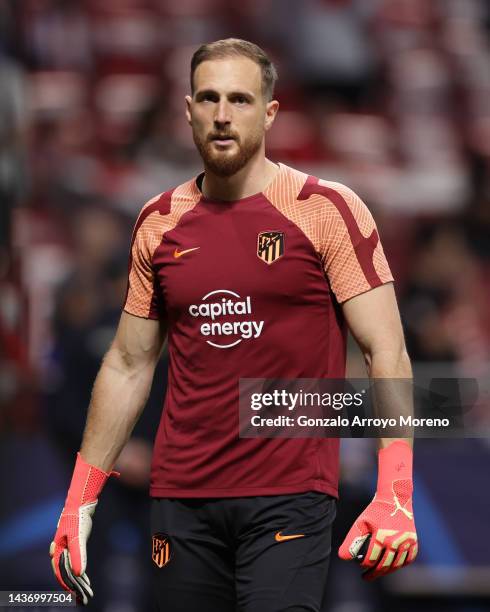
(231, 94)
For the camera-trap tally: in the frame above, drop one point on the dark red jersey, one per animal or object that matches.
(249, 289)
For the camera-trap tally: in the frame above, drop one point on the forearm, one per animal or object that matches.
(118, 398)
(394, 395)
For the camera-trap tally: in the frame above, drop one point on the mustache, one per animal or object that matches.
(222, 136)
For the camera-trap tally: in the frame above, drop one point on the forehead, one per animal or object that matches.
(228, 74)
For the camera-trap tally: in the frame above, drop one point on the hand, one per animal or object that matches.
(388, 520)
(68, 550)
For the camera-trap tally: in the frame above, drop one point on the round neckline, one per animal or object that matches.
(247, 199)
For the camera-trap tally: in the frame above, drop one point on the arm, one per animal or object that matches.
(374, 321)
(118, 398)
(387, 523)
(121, 389)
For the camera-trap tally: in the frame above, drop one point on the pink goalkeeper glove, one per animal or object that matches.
(68, 550)
(388, 520)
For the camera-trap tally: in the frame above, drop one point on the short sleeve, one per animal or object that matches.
(144, 297)
(353, 257)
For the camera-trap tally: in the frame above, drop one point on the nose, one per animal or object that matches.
(222, 115)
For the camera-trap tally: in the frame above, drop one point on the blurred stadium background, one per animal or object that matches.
(391, 97)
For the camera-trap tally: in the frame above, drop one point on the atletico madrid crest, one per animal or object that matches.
(160, 550)
(270, 246)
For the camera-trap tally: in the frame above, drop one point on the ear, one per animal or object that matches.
(188, 102)
(270, 113)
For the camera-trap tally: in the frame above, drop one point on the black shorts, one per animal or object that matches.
(244, 554)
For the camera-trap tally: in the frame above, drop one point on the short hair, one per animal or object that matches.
(236, 47)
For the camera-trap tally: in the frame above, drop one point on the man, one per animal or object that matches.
(253, 269)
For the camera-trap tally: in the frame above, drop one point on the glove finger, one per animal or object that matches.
(399, 562)
(352, 543)
(402, 557)
(406, 554)
(79, 581)
(382, 567)
(83, 586)
(77, 547)
(81, 591)
(75, 556)
(83, 579)
(82, 582)
(373, 554)
(66, 577)
(412, 553)
(66, 573)
(55, 553)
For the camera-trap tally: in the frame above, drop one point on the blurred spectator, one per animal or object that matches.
(444, 307)
(56, 34)
(327, 45)
(13, 125)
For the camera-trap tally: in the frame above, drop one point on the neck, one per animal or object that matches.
(251, 179)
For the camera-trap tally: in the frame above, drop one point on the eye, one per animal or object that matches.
(206, 96)
(240, 100)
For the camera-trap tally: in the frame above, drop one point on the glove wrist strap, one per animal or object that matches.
(394, 463)
(87, 482)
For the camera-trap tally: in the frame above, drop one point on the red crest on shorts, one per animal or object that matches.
(160, 549)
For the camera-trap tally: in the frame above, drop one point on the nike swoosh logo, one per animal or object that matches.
(178, 253)
(282, 538)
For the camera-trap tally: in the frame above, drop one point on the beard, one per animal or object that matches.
(224, 162)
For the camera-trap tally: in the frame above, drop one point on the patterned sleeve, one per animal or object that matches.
(353, 257)
(143, 297)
